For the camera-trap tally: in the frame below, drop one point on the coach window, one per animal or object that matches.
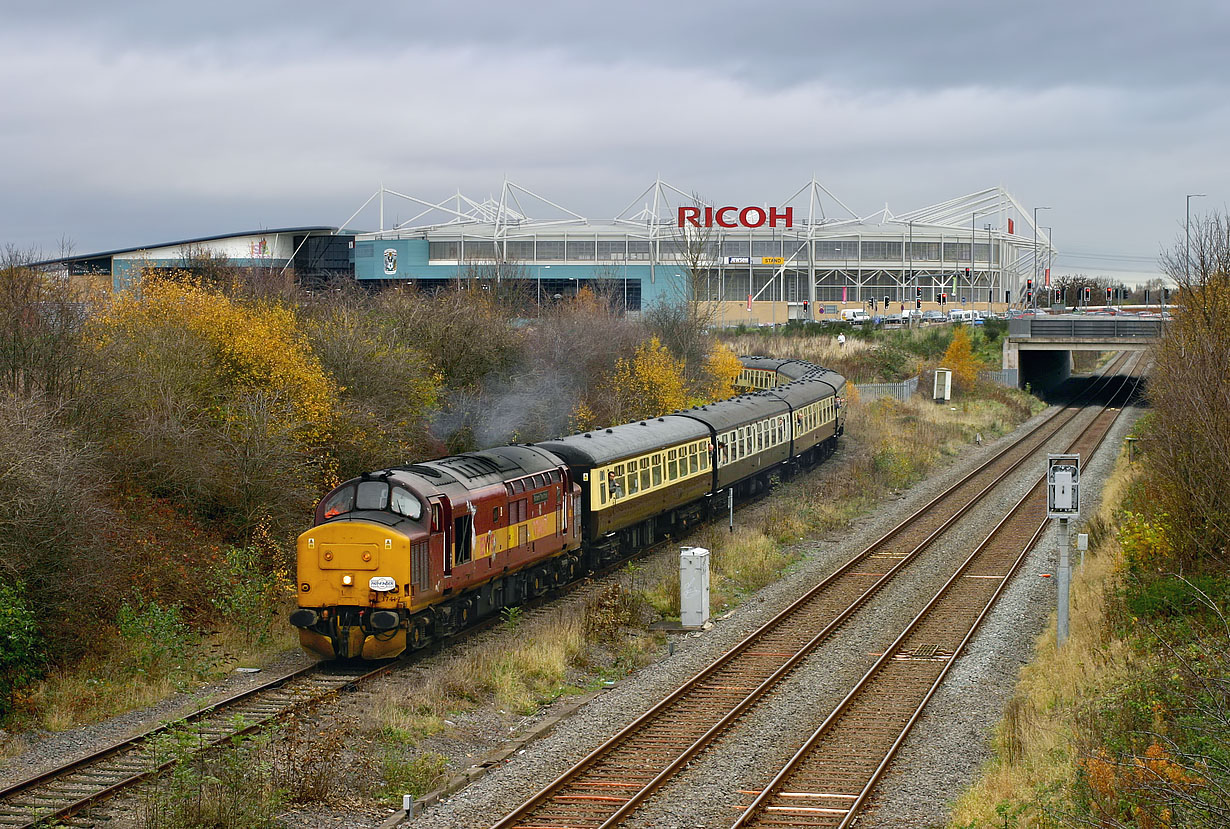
(644, 473)
(704, 459)
(693, 450)
(657, 470)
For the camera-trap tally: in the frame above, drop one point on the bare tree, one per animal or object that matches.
(1190, 393)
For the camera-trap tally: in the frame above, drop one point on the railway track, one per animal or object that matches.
(611, 782)
(55, 796)
(828, 781)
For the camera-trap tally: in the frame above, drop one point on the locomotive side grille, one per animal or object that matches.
(418, 565)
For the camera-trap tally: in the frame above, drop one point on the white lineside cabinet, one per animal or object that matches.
(693, 587)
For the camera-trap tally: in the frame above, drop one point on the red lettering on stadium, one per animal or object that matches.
(747, 217)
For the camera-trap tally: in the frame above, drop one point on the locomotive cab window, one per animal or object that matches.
(404, 503)
(372, 495)
(339, 502)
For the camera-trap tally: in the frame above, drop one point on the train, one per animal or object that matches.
(400, 557)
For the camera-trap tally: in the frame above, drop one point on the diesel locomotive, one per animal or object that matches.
(401, 556)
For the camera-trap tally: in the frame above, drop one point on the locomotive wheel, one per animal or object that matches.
(536, 582)
(416, 634)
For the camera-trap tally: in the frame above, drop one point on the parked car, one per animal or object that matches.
(856, 316)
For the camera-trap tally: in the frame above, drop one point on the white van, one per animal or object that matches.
(857, 316)
(962, 316)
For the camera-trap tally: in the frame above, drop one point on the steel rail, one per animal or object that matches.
(634, 799)
(814, 813)
(62, 802)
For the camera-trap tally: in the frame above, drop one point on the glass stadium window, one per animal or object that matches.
(736, 247)
(668, 249)
(520, 251)
(550, 250)
(638, 249)
(442, 250)
(581, 250)
(882, 250)
(837, 249)
(929, 251)
(472, 249)
(956, 252)
(612, 250)
(766, 247)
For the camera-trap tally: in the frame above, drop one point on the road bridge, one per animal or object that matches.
(1041, 347)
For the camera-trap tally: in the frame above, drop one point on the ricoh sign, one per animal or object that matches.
(735, 217)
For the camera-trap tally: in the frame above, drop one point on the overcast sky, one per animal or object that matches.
(130, 123)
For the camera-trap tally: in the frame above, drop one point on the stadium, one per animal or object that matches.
(804, 257)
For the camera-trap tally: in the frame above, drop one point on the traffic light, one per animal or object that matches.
(1029, 286)
(967, 273)
(1166, 296)
(943, 300)
(885, 303)
(1086, 294)
(918, 305)
(804, 306)
(1059, 296)
(918, 293)
(1108, 296)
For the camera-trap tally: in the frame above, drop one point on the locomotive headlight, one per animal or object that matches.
(347, 580)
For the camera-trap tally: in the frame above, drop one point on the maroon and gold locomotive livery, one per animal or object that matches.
(401, 556)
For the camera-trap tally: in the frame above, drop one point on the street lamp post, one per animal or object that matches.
(990, 269)
(1034, 299)
(1187, 251)
(1049, 248)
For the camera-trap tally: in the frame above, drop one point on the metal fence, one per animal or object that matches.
(874, 391)
(1009, 377)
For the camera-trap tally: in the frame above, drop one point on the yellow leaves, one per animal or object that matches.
(247, 348)
(960, 358)
(650, 384)
(722, 368)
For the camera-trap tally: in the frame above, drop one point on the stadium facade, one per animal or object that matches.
(804, 256)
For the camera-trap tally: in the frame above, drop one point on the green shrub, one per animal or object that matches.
(243, 589)
(228, 789)
(21, 654)
(157, 637)
(1174, 596)
(416, 776)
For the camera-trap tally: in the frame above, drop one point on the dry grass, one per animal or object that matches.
(109, 682)
(1034, 742)
(822, 350)
(889, 445)
(548, 653)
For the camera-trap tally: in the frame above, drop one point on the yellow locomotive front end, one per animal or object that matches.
(353, 590)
